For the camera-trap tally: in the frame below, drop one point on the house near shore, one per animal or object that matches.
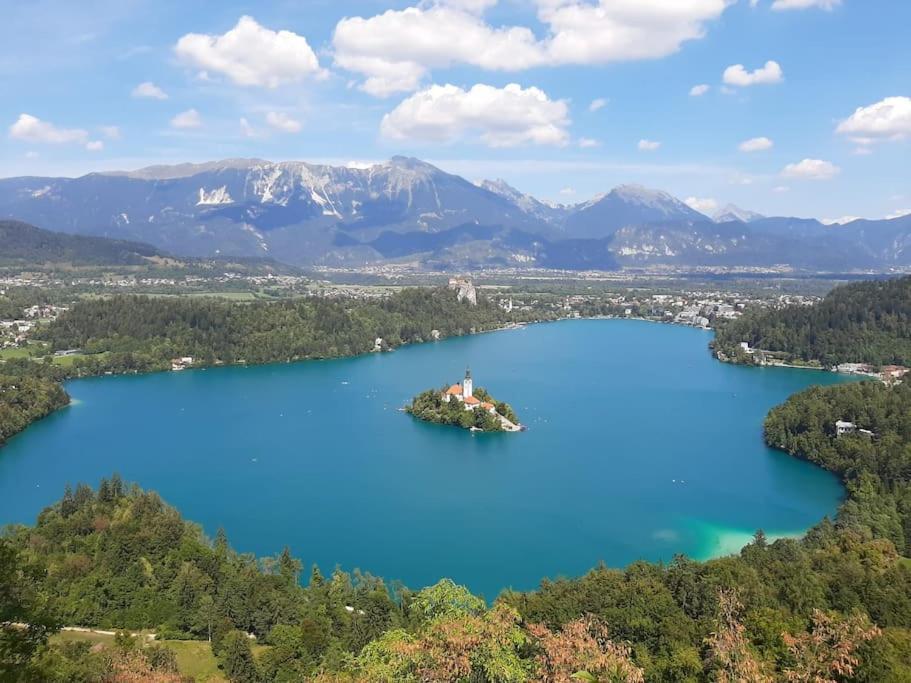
(178, 364)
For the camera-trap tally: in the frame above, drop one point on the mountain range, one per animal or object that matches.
(409, 210)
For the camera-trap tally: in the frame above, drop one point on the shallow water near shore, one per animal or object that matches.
(640, 446)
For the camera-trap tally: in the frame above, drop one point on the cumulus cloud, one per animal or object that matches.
(811, 169)
(394, 50)
(33, 129)
(500, 117)
(281, 121)
(251, 55)
(588, 143)
(755, 145)
(597, 104)
(568, 191)
(699, 90)
(648, 145)
(707, 206)
(888, 119)
(94, 145)
(781, 5)
(149, 90)
(739, 76)
(246, 129)
(187, 119)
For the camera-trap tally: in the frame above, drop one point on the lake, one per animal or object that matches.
(639, 446)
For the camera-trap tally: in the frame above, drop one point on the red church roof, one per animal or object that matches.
(471, 400)
(455, 390)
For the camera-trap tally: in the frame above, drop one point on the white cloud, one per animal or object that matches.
(33, 129)
(568, 191)
(648, 145)
(187, 119)
(94, 145)
(739, 76)
(597, 104)
(281, 121)
(500, 117)
(805, 4)
(110, 132)
(707, 206)
(251, 55)
(781, 188)
(755, 145)
(395, 50)
(474, 6)
(699, 90)
(149, 90)
(588, 143)
(899, 214)
(888, 119)
(811, 169)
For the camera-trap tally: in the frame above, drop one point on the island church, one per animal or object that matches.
(464, 393)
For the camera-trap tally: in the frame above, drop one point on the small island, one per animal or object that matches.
(461, 405)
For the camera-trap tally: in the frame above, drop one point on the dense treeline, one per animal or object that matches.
(154, 330)
(26, 399)
(863, 322)
(877, 468)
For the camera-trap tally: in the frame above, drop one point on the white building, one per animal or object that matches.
(843, 427)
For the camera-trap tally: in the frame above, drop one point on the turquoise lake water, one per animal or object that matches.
(640, 445)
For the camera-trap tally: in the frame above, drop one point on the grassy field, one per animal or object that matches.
(194, 657)
(9, 354)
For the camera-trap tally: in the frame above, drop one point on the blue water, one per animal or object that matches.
(640, 445)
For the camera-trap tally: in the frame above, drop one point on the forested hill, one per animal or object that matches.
(21, 243)
(154, 330)
(876, 468)
(863, 322)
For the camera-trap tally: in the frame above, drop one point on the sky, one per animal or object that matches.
(785, 107)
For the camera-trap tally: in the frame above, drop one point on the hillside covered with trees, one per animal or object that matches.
(21, 243)
(876, 469)
(26, 399)
(154, 330)
(862, 322)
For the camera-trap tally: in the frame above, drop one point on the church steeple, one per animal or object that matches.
(467, 384)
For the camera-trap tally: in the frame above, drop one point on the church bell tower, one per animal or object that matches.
(466, 384)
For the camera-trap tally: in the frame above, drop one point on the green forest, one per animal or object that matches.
(25, 399)
(862, 322)
(833, 606)
(430, 407)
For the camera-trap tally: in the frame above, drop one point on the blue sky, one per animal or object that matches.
(483, 88)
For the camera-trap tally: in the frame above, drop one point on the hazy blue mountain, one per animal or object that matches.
(625, 206)
(407, 209)
(732, 212)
